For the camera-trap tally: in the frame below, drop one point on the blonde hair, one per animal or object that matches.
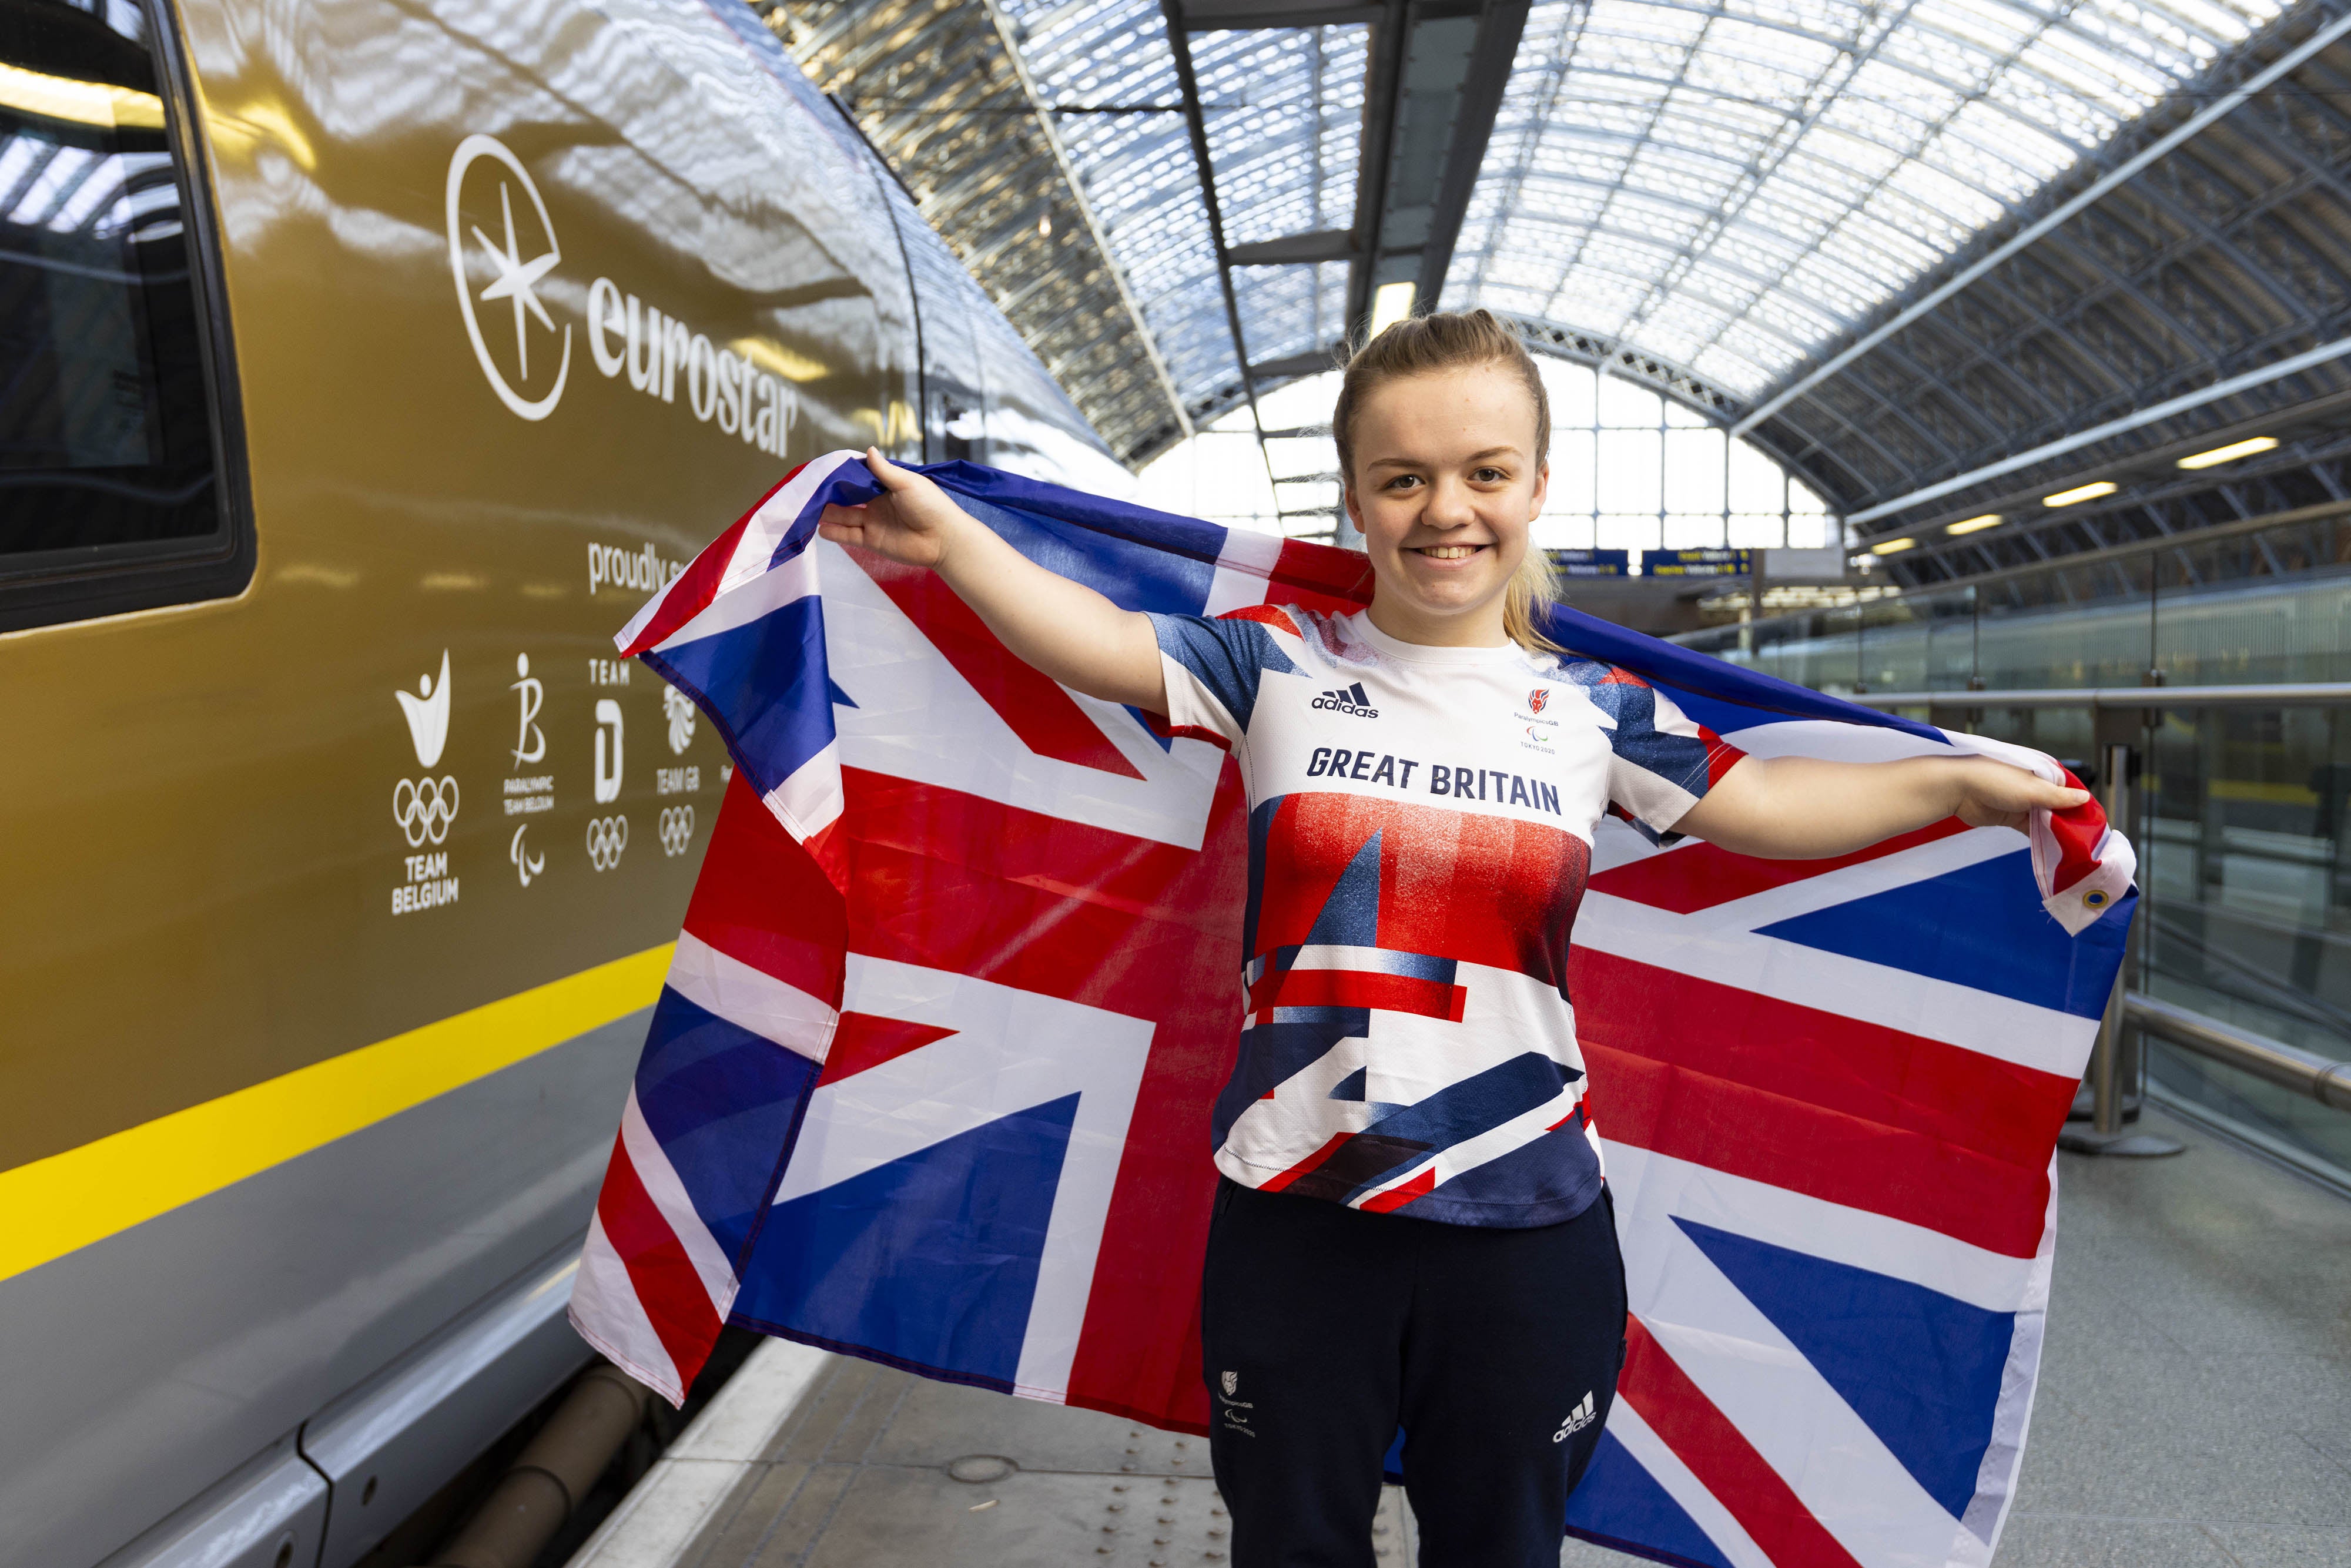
(1453, 340)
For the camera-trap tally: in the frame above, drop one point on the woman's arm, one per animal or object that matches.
(1064, 629)
(1799, 808)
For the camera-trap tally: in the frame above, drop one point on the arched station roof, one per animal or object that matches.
(1840, 228)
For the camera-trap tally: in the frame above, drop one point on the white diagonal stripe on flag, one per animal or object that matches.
(751, 999)
(660, 1183)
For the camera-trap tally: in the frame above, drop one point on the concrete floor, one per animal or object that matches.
(2195, 1412)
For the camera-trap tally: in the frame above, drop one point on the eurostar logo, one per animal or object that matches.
(517, 276)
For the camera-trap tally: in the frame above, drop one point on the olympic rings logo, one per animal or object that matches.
(425, 808)
(676, 830)
(607, 837)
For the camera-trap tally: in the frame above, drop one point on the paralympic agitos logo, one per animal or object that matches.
(502, 254)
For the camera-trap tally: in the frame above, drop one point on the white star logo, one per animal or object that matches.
(518, 280)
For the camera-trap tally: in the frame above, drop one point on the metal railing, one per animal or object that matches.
(2293, 694)
(2272, 1061)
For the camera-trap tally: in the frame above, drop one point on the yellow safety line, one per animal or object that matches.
(55, 1206)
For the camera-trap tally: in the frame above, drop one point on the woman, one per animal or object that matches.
(1411, 1228)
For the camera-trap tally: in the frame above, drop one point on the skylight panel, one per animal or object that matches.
(1596, 287)
(1735, 363)
(1636, 18)
(2026, 158)
(1658, 185)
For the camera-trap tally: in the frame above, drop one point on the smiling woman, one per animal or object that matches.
(1425, 779)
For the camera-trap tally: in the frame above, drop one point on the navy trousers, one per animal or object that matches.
(1323, 1329)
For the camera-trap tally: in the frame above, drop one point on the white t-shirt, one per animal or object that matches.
(1421, 822)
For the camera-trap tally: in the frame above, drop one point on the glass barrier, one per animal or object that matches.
(2269, 604)
(2245, 910)
(2241, 815)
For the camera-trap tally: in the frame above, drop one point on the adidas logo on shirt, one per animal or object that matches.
(1577, 1420)
(1352, 700)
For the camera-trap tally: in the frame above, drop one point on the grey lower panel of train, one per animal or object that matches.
(361, 1250)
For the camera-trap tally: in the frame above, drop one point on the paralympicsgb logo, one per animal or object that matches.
(607, 837)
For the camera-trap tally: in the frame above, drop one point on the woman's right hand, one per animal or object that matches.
(1065, 629)
(912, 522)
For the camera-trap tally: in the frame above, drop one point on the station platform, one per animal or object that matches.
(2194, 1412)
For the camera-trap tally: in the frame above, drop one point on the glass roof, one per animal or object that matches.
(1283, 108)
(1729, 186)
(1724, 186)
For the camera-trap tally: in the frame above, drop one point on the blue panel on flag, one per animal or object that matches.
(930, 1259)
(764, 684)
(2004, 942)
(1722, 717)
(1131, 575)
(1922, 1368)
(720, 1102)
(1619, 1503)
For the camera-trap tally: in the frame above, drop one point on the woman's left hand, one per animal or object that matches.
(1996, 795)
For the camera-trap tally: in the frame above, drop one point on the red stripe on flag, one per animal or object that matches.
(1722, 1457)
(1319, 576)
(2078, 830)
(752, 870)
(863, 1040)
(2001, 1111)
(1395, 1197)
(1847, 1112)
(1699, 876)
(1046, 718)
(667, 1287)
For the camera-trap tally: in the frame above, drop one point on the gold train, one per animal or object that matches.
(363, 366)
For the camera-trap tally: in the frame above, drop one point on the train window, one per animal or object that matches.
(110, 492)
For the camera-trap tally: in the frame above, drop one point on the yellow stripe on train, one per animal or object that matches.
(66, 1202)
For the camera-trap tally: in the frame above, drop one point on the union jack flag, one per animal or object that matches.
(930, 1080)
